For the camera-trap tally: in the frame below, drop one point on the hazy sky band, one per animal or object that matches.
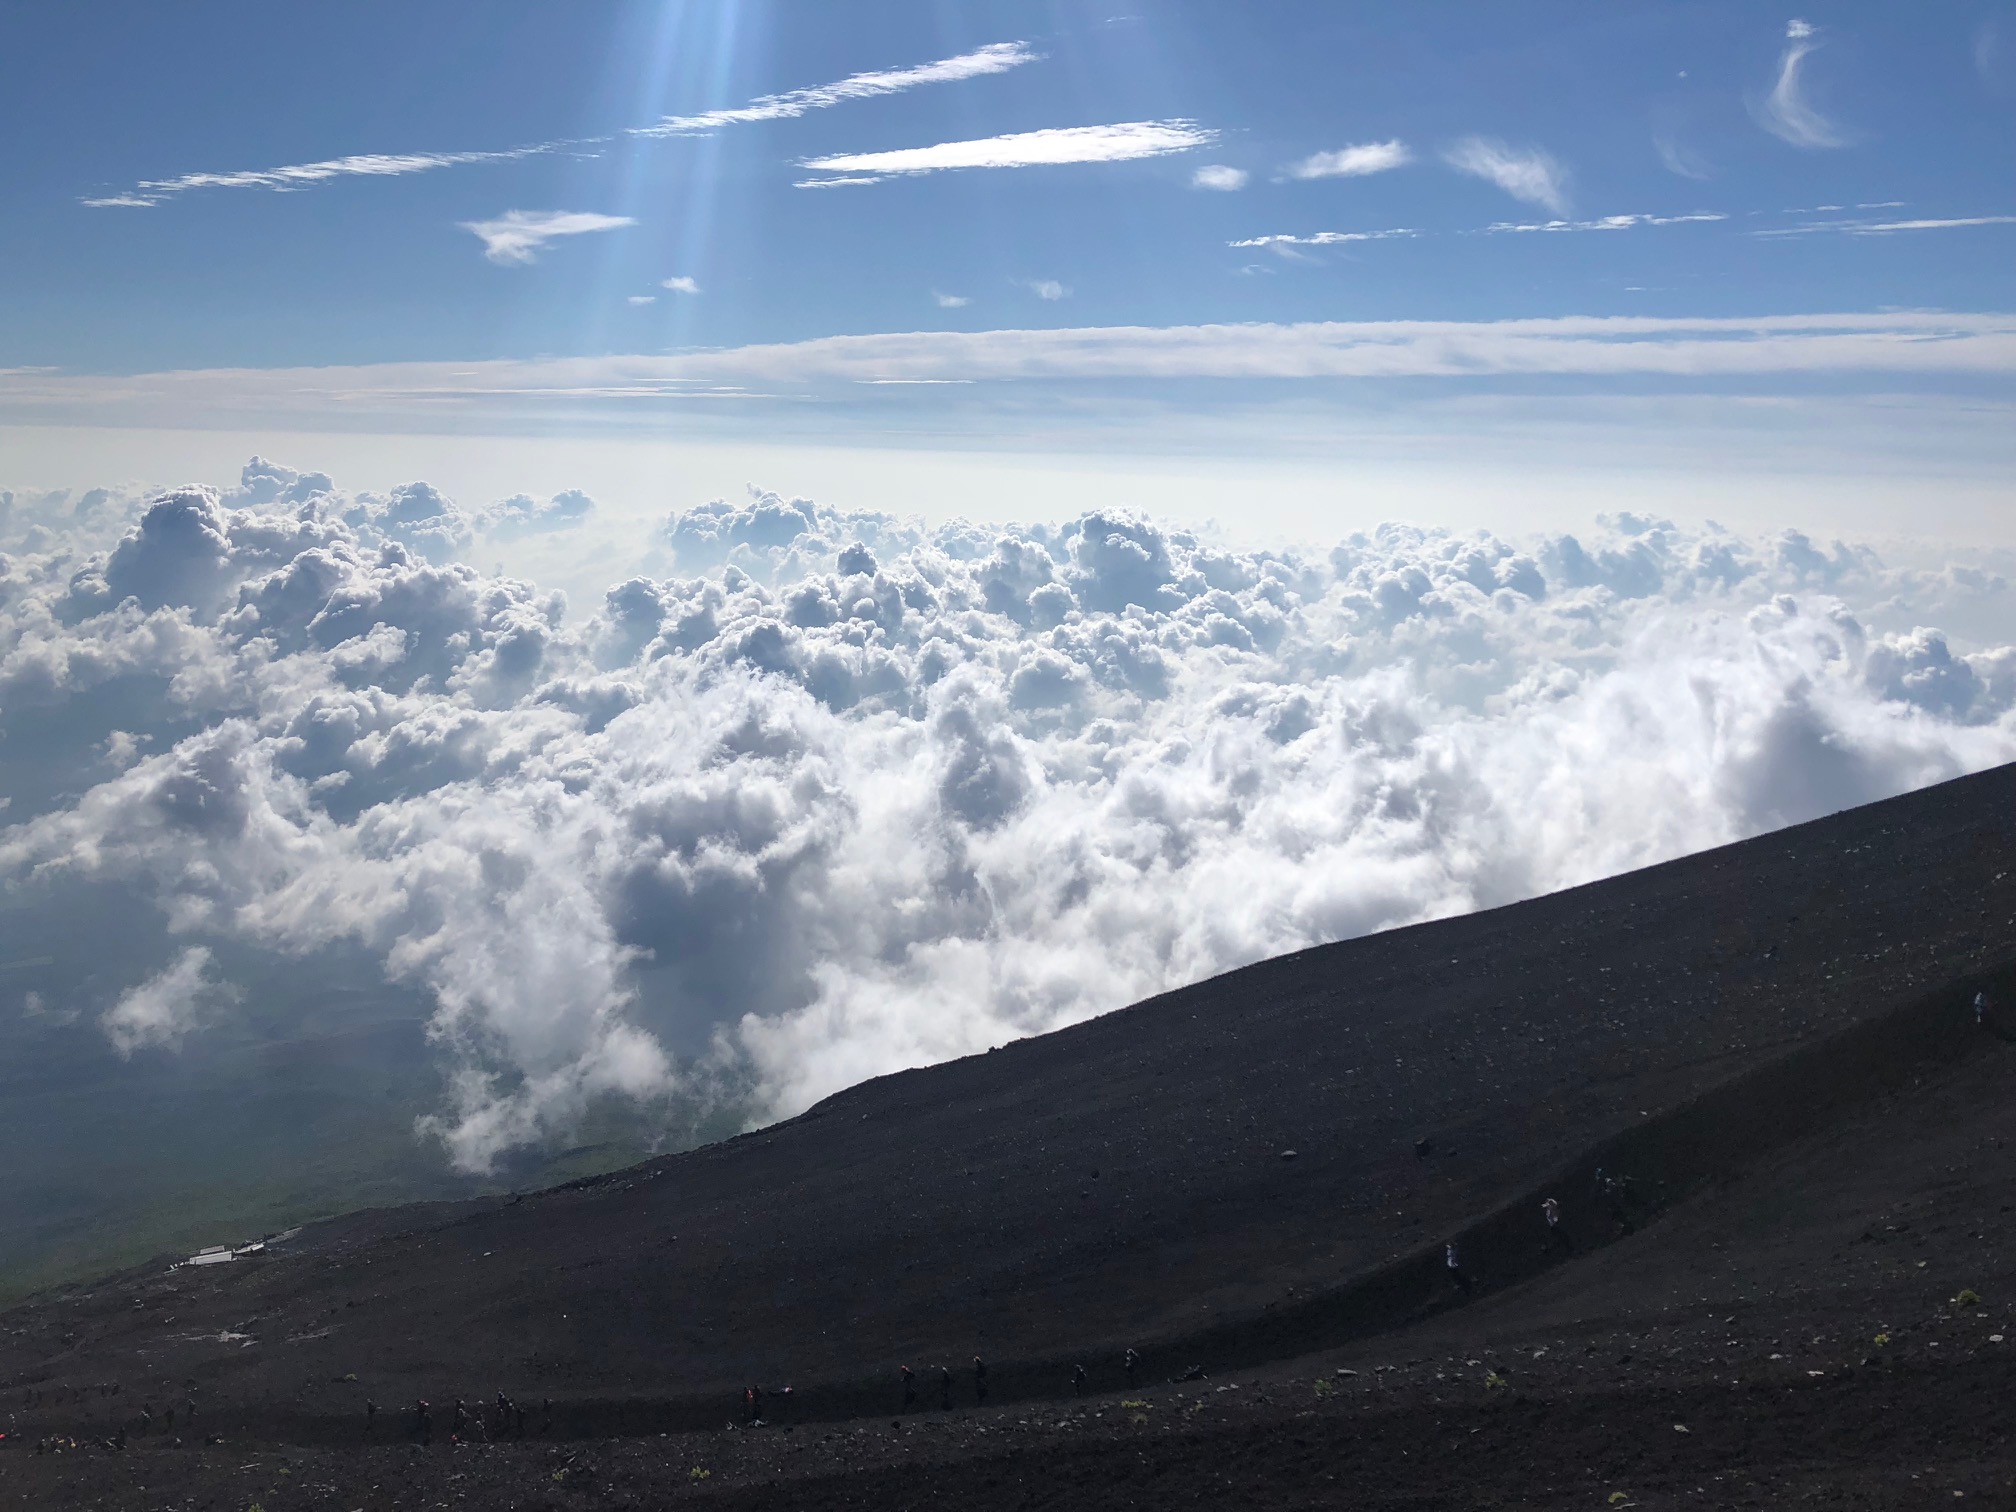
(1925, 343)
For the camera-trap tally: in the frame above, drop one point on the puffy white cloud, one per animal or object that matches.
(1220, 177)
(522, 515)
(1353, 162)
(840, 793)
(517, 236)
(681, 284)
(164, 1008)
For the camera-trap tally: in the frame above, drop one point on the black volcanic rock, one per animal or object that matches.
(938, 1214)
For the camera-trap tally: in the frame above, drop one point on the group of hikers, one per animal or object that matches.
(908, 1377)
(1613, 1197)
(1130, 1365)
(753, 1400)
(143, 1422)
(506, 1420)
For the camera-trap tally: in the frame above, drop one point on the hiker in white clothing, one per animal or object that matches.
(1454, 1262)
(1550, 1208)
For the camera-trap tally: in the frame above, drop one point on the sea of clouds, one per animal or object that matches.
(844, 793)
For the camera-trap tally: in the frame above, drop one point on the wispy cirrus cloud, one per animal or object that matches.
(1324, 238)
(298, 176)
(1123, 141)
(1681, 159)
(1352, 162)
(1603, 223)
(995, 58)
(1886, 228)
(1989, 49)
(1785, 112)
(950, 301)
(1219, 177)
(517, 236)
(1606, 223)
(1528, 174)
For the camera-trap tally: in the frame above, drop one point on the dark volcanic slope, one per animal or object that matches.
(1801, 1335)
(1124, 1181)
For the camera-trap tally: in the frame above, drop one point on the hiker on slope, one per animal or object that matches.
(1550, 1209)
(1453, 1263)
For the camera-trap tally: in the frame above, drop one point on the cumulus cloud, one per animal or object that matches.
(1047, 288)
(1220, 177)
(522, 515)
(829, 793)
(1352, 162)
(1785, 112)
(1125, 141)
(166, 1007)
(681, 284)
(1527, 174)
(517, 236)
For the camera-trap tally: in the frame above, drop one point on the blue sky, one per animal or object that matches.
(1697, 161)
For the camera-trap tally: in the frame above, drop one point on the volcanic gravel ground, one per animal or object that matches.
(1726, 1355)
(1771, 1040)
